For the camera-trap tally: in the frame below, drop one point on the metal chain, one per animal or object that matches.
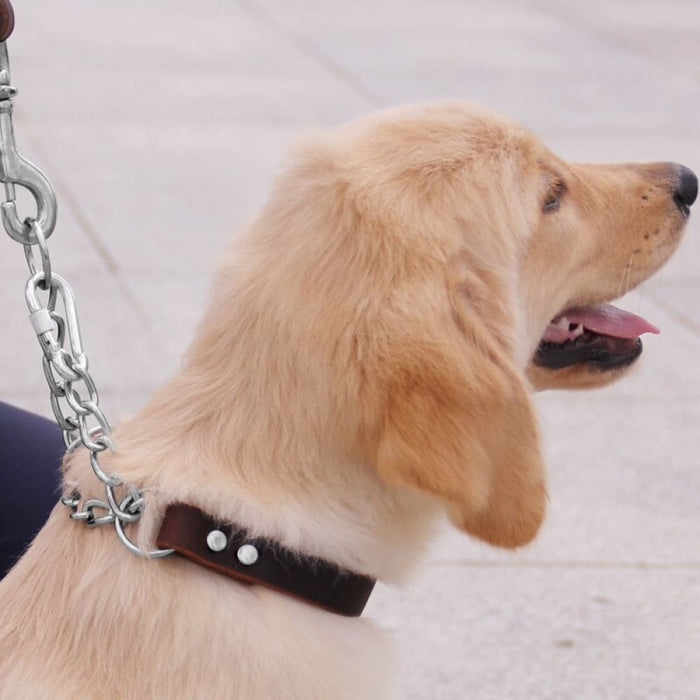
(72, 390)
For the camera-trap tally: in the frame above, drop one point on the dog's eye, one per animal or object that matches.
(551, 203)
(553, 200)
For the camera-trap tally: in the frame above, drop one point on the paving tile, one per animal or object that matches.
(564, 72)
(681, 298)
(623, 144)
(173, 197)
(551, 633)
(174, 304)
(163, 62)
(312, 17)
(668, 33)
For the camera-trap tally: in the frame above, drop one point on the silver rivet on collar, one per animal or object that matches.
(216, 541)
(247, 554)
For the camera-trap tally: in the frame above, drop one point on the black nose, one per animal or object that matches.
(687, 187)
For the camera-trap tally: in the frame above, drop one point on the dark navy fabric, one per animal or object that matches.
(31, 448)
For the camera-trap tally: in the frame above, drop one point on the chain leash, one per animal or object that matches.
(72, 390)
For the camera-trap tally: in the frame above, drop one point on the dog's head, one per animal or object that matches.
(414, 267)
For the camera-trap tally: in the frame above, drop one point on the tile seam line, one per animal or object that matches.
(312, 52)
(88, 230)
(687, 323)
(67, 196)
(575, 22)
(591, 565)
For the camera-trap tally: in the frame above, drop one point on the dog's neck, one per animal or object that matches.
(290, 488)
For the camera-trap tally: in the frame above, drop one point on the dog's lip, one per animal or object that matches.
(601, 336)
(599, 352)
(601, 319)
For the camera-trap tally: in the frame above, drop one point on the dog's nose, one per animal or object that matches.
(686, 188)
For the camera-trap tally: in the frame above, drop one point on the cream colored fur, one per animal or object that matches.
(361, 369)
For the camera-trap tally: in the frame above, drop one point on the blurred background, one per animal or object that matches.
(161, 125)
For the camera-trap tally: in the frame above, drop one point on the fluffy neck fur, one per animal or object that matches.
(252, 431)
(306, 495)
(246, 431)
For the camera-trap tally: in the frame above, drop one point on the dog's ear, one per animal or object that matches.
(459, 423)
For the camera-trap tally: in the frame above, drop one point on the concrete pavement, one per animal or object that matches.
(161, 124)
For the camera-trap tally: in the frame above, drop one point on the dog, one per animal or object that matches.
(365, 366)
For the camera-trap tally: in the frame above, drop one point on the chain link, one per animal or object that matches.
(72, 390)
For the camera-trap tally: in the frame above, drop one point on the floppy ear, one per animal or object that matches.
(459, 422)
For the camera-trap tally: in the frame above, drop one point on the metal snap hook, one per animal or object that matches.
(24, 173)
(16, 170)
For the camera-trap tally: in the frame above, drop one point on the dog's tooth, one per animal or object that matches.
(562, 323)
(577, 330)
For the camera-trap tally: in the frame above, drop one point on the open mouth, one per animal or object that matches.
(602, 336)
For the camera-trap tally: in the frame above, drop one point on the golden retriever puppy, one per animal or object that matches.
(365, 364)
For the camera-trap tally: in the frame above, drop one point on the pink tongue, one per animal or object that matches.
(607, 319)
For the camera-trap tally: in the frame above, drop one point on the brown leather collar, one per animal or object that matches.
(228, 550)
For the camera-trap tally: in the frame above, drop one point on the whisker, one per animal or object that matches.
(626, 277)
